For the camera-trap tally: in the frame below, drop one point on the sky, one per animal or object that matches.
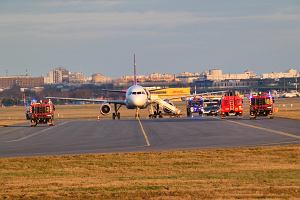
(167, 36)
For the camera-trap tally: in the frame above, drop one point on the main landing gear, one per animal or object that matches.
(116, 114)
(156, 113)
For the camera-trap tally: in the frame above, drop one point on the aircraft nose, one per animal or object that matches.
(138, 101)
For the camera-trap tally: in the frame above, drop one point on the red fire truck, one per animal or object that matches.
(261, 104)
(41, 113)
(231, 104)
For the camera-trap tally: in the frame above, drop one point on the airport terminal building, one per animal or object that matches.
(21, 81)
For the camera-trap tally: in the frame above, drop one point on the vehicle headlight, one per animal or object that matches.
(192, 109)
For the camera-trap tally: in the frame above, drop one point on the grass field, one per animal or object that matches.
(288, 108)
(262, 172)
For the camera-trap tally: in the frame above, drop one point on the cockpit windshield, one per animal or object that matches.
(139, 92)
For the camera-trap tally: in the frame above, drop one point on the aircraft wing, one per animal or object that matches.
(121, 102)
(118, 91)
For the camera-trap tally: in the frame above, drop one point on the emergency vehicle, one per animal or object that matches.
(261, 104)
(211, 106)
(41, 113)
(231, 104)
(194, 105)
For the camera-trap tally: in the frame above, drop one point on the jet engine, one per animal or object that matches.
(105, 109)
(166, 110)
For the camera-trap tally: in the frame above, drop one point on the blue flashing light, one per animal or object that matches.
(33, 100)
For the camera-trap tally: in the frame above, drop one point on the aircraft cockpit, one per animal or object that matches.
(137, 93)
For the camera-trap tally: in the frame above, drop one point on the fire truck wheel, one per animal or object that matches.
(33, 123)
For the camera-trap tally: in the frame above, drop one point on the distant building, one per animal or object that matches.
(187, 77)
(217, 75)
(58, 75)
(21, 81)
(76, 77)
(100, 78)
(128, 79)
(289, 74)
(161, 77)
(154, 77)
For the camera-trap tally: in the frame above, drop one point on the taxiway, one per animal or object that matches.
(107, 136)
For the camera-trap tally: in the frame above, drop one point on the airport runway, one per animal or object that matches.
(87, 136)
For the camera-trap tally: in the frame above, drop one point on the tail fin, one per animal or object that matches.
(134, 71)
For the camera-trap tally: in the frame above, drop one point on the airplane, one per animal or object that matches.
(292, 93)
(136, 97)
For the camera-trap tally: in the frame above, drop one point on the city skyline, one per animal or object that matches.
(180, 73)
(167, 36)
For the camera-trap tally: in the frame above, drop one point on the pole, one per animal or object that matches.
(296, 83)
(284, 84)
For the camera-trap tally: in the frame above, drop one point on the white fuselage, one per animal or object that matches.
(136, 97)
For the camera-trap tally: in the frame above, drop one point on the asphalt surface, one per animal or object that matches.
(105, 136)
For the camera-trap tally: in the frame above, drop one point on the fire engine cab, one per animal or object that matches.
(41, 113)
(231, 104)
(261, 104)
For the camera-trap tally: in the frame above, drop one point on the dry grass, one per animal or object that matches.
(262, 172)
(288, 108)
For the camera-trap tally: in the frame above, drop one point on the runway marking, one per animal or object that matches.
(266, 129)
(9, 130)
(37, 133)
(144, 133)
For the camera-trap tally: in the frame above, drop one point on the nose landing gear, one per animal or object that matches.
(137, 114)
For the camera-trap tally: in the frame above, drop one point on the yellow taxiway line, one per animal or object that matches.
(265, 129)
(37, 133)
(144, 133)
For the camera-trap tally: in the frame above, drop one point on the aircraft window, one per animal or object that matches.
(139, 92)
(134, 93)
